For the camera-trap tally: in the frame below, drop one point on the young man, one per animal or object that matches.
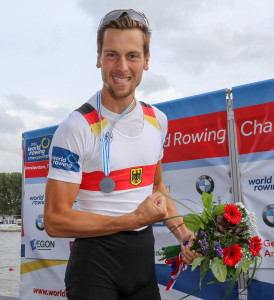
(107, 155)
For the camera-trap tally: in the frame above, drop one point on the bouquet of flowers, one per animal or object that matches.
(223, 237)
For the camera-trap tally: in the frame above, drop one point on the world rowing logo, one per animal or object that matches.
(268, 215)
(204, 184)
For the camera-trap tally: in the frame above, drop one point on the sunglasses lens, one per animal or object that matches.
(115, 14)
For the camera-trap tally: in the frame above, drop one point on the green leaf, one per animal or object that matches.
(253, 273)
(235, 277)
(204, 267)
(179, 202)
(230, 271)
(207, 200)
(193, 222)
(196, 262)
(218, 268)
(204, 216)
(219, 210)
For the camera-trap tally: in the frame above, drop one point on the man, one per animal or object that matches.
(107, 155)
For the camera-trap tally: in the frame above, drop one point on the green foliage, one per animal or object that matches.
(228, 240)
(196, 262)
(207, 200)
(205, 264)
(218, 268)
(218, 210)
(10, 193)
(193, 222)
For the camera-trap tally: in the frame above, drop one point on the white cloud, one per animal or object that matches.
(48, 55)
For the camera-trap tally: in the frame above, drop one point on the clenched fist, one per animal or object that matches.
(152, 209)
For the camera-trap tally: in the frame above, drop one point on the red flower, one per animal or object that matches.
(232, 214)
(255, 245)
(232, 255)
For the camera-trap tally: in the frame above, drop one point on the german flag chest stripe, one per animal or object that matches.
(124, 179)
(149, 114)
(91, 115)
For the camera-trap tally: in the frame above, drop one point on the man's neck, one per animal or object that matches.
(116, 105)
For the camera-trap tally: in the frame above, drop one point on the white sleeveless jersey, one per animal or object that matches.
(76, 156)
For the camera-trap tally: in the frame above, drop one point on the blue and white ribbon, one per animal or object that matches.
(106, 141)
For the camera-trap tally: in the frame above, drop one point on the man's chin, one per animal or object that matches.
(120, 94)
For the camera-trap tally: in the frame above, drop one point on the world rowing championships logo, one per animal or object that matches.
(39, 222)
(268, 215)
(204, 184)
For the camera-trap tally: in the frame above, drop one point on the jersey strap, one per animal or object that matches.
(91, 115)
(149, 114)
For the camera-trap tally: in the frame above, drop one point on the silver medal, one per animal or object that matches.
(107, 185)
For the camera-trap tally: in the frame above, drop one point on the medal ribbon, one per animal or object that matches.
(177, 265)
(106, 142)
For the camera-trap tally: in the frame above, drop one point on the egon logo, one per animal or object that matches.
(42, 245)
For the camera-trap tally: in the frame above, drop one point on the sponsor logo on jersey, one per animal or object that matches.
(64, 159)
(204, 184)
(136, 176)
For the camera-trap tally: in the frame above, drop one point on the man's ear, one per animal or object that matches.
(98, 64)
(146, 65)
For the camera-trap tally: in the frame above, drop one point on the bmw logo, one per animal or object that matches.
(39, 222)
(268, 215)
(204, 184)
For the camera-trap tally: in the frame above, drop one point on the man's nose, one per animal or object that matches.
(122, 64)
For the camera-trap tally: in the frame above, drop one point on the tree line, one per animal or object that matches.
(10, 193)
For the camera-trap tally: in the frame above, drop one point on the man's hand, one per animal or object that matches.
(152, 209)
(189, 255)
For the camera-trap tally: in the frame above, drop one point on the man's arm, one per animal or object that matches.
(61, 220)
(175, 225)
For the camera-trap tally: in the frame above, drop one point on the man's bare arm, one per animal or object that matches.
(175, 225)
(181, 231)
(63, 221)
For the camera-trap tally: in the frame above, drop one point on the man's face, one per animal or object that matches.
(122, 61)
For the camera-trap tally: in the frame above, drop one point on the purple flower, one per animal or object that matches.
(204, 248)
(219, 252)
(200, 242)
(204, 241)
(218, 248)
(203, 233)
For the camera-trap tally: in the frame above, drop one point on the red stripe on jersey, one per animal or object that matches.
(92, 117)
(123, 178)
(148, 110)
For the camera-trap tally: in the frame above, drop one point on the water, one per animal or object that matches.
(10, 253)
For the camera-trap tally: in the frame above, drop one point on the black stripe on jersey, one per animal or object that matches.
(85, 109)
(145, 104)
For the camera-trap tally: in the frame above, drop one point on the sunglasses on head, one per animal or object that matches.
(116, 14)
